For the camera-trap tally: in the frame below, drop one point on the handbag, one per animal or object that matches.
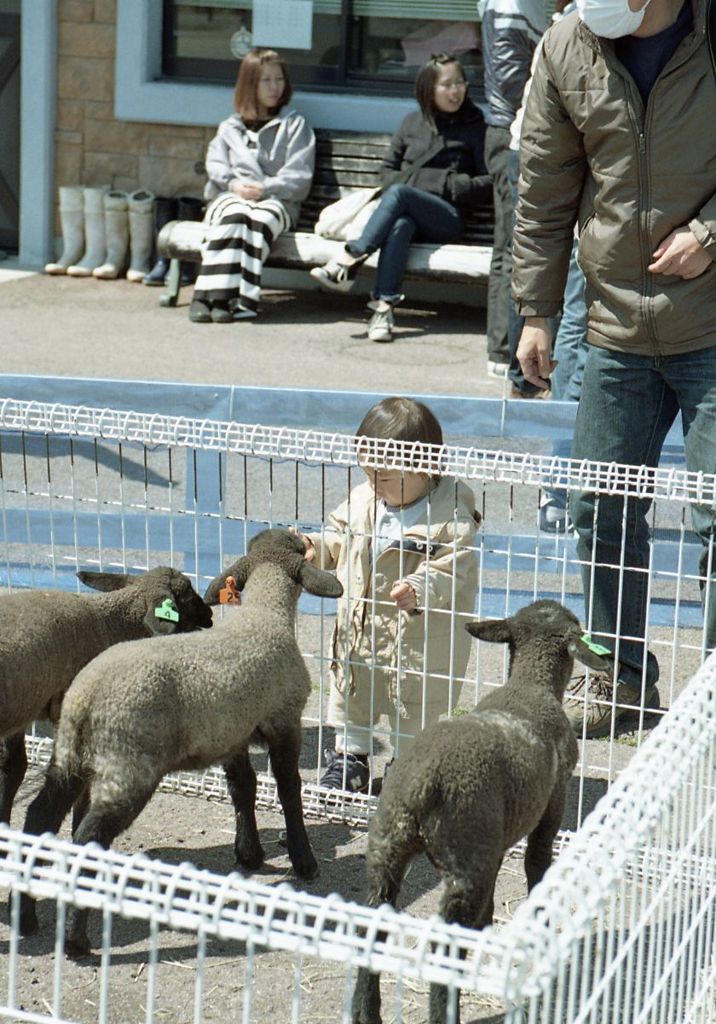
(346, 218)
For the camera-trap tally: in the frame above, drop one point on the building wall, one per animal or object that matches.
(91, 146)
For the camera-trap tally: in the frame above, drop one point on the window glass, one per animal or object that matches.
(366, 43)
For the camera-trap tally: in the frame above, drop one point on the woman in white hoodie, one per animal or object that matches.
(260, 166)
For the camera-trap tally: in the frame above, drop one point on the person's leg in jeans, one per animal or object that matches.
(403, 215)
(625, 411)
(570, 351)
(497, 143)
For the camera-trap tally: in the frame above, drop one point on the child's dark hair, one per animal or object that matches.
(400, 419)
(425, 82)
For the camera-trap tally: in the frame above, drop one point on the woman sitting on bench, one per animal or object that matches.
(434, 172)
(260, 166)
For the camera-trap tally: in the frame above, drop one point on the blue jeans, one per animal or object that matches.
(570, 351)
(627, 405)
(404, 215)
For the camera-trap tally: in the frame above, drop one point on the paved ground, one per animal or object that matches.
(88, 328)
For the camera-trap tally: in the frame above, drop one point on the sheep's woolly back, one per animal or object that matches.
(47, 637)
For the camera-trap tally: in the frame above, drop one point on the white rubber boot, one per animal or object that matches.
(73, 233)
(141, 234)
(95, 238)
(116, 227)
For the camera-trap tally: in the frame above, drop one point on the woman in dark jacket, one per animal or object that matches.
(437, 156)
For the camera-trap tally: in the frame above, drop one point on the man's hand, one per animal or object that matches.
(680, 254)
(404, 596)
(247, 189)
(534, 351)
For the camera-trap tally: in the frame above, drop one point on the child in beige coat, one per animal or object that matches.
(403, 548)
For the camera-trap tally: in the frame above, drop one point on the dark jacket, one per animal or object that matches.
(511, 30)
(457, 172)
(589, 148)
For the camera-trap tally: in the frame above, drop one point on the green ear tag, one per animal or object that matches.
(594, 646)
(167, 610)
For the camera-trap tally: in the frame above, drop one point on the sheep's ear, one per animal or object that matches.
(239, 570)
(318, 581)
(162, 617)
(496, 631)
(591, 654)
(106, 581)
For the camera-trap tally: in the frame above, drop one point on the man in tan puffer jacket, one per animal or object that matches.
(619, 136)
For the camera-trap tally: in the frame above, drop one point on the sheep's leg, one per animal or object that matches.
(99, 825)
(469, 901)
(538, 855)
(284, 751)
(385, 869)
(45, 814)
(13, 765)
(241, 781)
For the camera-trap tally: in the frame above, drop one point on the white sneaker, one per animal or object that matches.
(497, 370)
(335, 276)
(380, 325)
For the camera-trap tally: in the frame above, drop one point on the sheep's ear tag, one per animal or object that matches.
(594, 646)
(229, 594)
(167, 610)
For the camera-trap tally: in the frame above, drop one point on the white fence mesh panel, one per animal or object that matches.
(88, 488)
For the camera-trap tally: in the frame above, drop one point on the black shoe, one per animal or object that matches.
(353, 766)
(220, 312)
(554, 518)
(158, 274)
(200, 312)
(188, 273)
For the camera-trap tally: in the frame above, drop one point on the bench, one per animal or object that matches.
(344, 161)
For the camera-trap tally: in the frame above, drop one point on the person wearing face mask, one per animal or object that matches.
(618, 136)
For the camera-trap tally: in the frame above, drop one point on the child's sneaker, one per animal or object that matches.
(353, 766)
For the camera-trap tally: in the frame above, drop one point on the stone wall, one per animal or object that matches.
(92, 147)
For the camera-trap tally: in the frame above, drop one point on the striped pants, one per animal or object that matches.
(237, 243)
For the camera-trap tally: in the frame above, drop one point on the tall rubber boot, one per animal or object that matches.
(116, 227)
(165, 209)
(95, 238)
(141, 234)
(72, 220)
(190, 208)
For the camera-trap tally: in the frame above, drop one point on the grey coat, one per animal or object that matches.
(283, 161)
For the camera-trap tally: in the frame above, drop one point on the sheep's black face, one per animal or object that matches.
(192, 611)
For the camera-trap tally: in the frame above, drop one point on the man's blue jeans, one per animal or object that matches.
(627, 405)
(404, 215)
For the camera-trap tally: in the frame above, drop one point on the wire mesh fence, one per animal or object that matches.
(98, 488)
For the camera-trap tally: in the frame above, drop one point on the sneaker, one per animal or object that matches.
(602, 706)
(554, 518)
(381, 324)
(357, 774)
(200, 312)
(242, 313)
(335, 276)
(497, 370)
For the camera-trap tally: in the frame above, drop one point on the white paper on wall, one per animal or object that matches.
(283, 23)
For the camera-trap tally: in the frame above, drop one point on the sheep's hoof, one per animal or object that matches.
(28, 915)
(251, 861)
(307, 869)
(77, 945)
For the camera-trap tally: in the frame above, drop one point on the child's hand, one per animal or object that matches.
(404, 596)
(307, 543)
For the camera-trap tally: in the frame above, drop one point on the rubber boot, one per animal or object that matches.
(141, 234)
(165, 209)
(95, 238)
(190, 209)
(116, 227)
(72, 219)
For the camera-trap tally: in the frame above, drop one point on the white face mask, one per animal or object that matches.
(610, 18)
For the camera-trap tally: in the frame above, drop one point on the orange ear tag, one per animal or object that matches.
(229, 594)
